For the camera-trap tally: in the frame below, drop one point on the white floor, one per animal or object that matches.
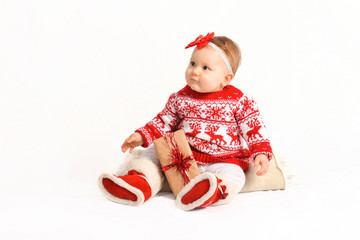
(323, 206)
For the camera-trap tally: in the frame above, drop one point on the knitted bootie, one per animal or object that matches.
(132, 189)
(202, 191)
(142, 181)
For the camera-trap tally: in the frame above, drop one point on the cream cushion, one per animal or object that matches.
(272, 180)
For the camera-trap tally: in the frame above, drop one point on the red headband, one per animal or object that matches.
(201, 41)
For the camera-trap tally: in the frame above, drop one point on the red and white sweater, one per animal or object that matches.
(222, 126)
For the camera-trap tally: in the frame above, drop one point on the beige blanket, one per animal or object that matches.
(272, 180)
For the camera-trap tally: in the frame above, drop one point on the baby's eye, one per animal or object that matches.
(192, 64)
(206, 68)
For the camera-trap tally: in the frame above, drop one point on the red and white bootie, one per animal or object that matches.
(131, 189)
(142, 181)
(204, 190)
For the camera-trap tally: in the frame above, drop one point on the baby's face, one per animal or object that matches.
(206, 71)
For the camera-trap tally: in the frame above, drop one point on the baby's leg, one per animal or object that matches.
(141, 179)
(232, 176)
(216, 185)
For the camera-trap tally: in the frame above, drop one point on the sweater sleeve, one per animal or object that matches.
(252, 128)
(165, 122)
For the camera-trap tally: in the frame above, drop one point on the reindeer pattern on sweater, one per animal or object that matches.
(223, 126)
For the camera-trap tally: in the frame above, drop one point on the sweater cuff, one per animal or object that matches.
(260, 148)
(146, 136)
(149, 133)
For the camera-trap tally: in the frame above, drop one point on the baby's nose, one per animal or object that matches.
(196, 71)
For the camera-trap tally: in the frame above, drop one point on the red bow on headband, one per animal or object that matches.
(201, 41)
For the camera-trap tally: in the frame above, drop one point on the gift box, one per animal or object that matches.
(176, 160)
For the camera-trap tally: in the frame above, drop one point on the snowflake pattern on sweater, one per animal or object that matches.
(223, 126)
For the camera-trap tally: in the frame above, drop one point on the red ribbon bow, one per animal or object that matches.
(201, 41)
(177, 158)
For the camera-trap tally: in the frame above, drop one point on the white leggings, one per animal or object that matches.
(233, 172)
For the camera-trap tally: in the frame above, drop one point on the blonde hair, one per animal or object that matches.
(231, 50)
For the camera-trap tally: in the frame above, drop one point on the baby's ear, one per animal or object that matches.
(228, 77)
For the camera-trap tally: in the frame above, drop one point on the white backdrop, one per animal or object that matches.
(77, 77)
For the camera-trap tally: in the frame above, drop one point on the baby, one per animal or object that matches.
(222, 125)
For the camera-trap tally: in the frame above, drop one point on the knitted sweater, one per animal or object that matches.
(222, 126)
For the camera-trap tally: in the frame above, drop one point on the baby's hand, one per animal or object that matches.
(133, 141)
(263, 161)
